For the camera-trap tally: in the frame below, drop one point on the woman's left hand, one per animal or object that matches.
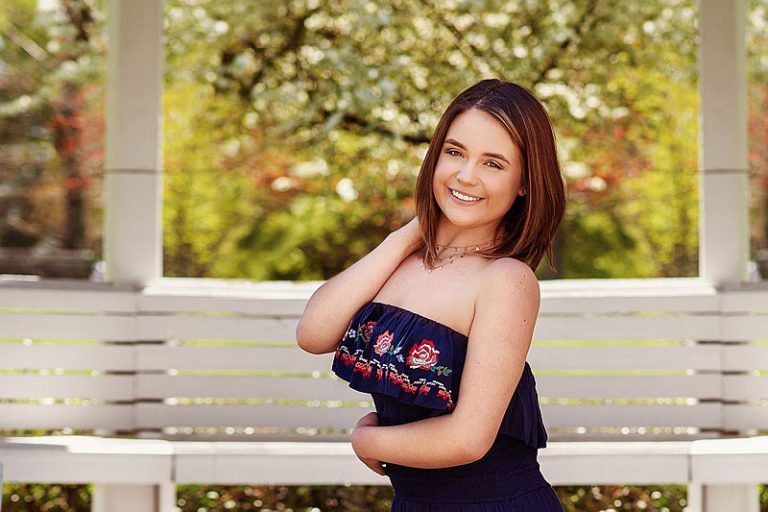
(369, 420)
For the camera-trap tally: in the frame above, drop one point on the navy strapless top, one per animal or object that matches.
(412, 366)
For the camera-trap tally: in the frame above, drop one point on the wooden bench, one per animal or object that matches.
(640, 381)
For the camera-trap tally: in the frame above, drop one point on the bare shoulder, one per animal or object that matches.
(511, 282)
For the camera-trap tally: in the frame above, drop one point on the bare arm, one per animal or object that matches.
(332, 306)
(494, 365)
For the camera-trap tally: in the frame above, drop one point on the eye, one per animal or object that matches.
(496, 165)
(451, 149)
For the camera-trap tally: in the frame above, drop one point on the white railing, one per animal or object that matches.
(670, 359)
(196, 360)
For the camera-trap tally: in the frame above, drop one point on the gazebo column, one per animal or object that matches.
(133, 168)
(724, 224)
(133, 188)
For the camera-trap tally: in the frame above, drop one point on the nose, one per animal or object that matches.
(466, 174)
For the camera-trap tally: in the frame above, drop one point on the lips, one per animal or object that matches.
(463, 193)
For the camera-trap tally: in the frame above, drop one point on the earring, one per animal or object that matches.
(523, 191)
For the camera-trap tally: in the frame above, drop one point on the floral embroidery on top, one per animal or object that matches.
(398, 364)
(365, 331)
(383, 342)
(423, 356)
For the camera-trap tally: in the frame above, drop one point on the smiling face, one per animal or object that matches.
(480, 161)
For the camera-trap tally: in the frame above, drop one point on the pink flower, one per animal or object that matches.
(383, 342)
(423, 355)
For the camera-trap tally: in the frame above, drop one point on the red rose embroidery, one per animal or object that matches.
(347, 359)
(383, 342)
(423, 390)
(378, 374)
(365, 331)
(445, 395)
(423, 355)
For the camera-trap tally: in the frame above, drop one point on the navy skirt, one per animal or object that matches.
(506, 479)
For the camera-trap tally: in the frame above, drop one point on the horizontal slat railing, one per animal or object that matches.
(667, 359)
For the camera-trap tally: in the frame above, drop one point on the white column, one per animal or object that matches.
(723, 228)
(132, 498)
(721, 497)
(133, 168)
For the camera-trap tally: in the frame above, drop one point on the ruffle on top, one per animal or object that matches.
(419, 361)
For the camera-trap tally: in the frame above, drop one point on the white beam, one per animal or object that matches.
(133, 168)
(724, 222)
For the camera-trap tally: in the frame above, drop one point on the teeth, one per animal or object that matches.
(463, 197)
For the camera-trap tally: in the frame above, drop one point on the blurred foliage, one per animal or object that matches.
(46, 498)
(332, 104)
(352, 498)
(294, 130)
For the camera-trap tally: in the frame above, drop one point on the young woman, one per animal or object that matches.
(445, 307)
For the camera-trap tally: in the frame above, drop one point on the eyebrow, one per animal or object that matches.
(462, 146)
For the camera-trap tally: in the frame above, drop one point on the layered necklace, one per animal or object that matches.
(458, 252)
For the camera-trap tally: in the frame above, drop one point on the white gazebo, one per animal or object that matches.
(209, 412)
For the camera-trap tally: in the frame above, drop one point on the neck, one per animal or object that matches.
(465, 237)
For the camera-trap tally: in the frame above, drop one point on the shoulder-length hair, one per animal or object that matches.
(527, 229)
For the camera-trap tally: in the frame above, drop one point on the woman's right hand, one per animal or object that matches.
(410, 234)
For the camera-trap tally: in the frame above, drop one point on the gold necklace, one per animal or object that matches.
(452, 257)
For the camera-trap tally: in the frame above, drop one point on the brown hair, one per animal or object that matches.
(527, 229)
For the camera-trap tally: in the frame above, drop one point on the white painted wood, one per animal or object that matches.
(68, 326)
(158, 327)
(741, 498)
(272, 463)
(130, 498)
(745, 416)
(23, 416)
(158, 416)
(738, 387)
(745, 458)
(76, 459)
(67, 295)
(746, 357)
(585, 463)
(724, 223)
(158, 357)
(137, 462)
(742, 327)
(133, 177)
(628, 386)
(629, 327)
(640, 357)
(68, 357)
(302, 388)
(745, 297)
(707, 415)
(104, 387)
(695, 497)
(229, 386)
